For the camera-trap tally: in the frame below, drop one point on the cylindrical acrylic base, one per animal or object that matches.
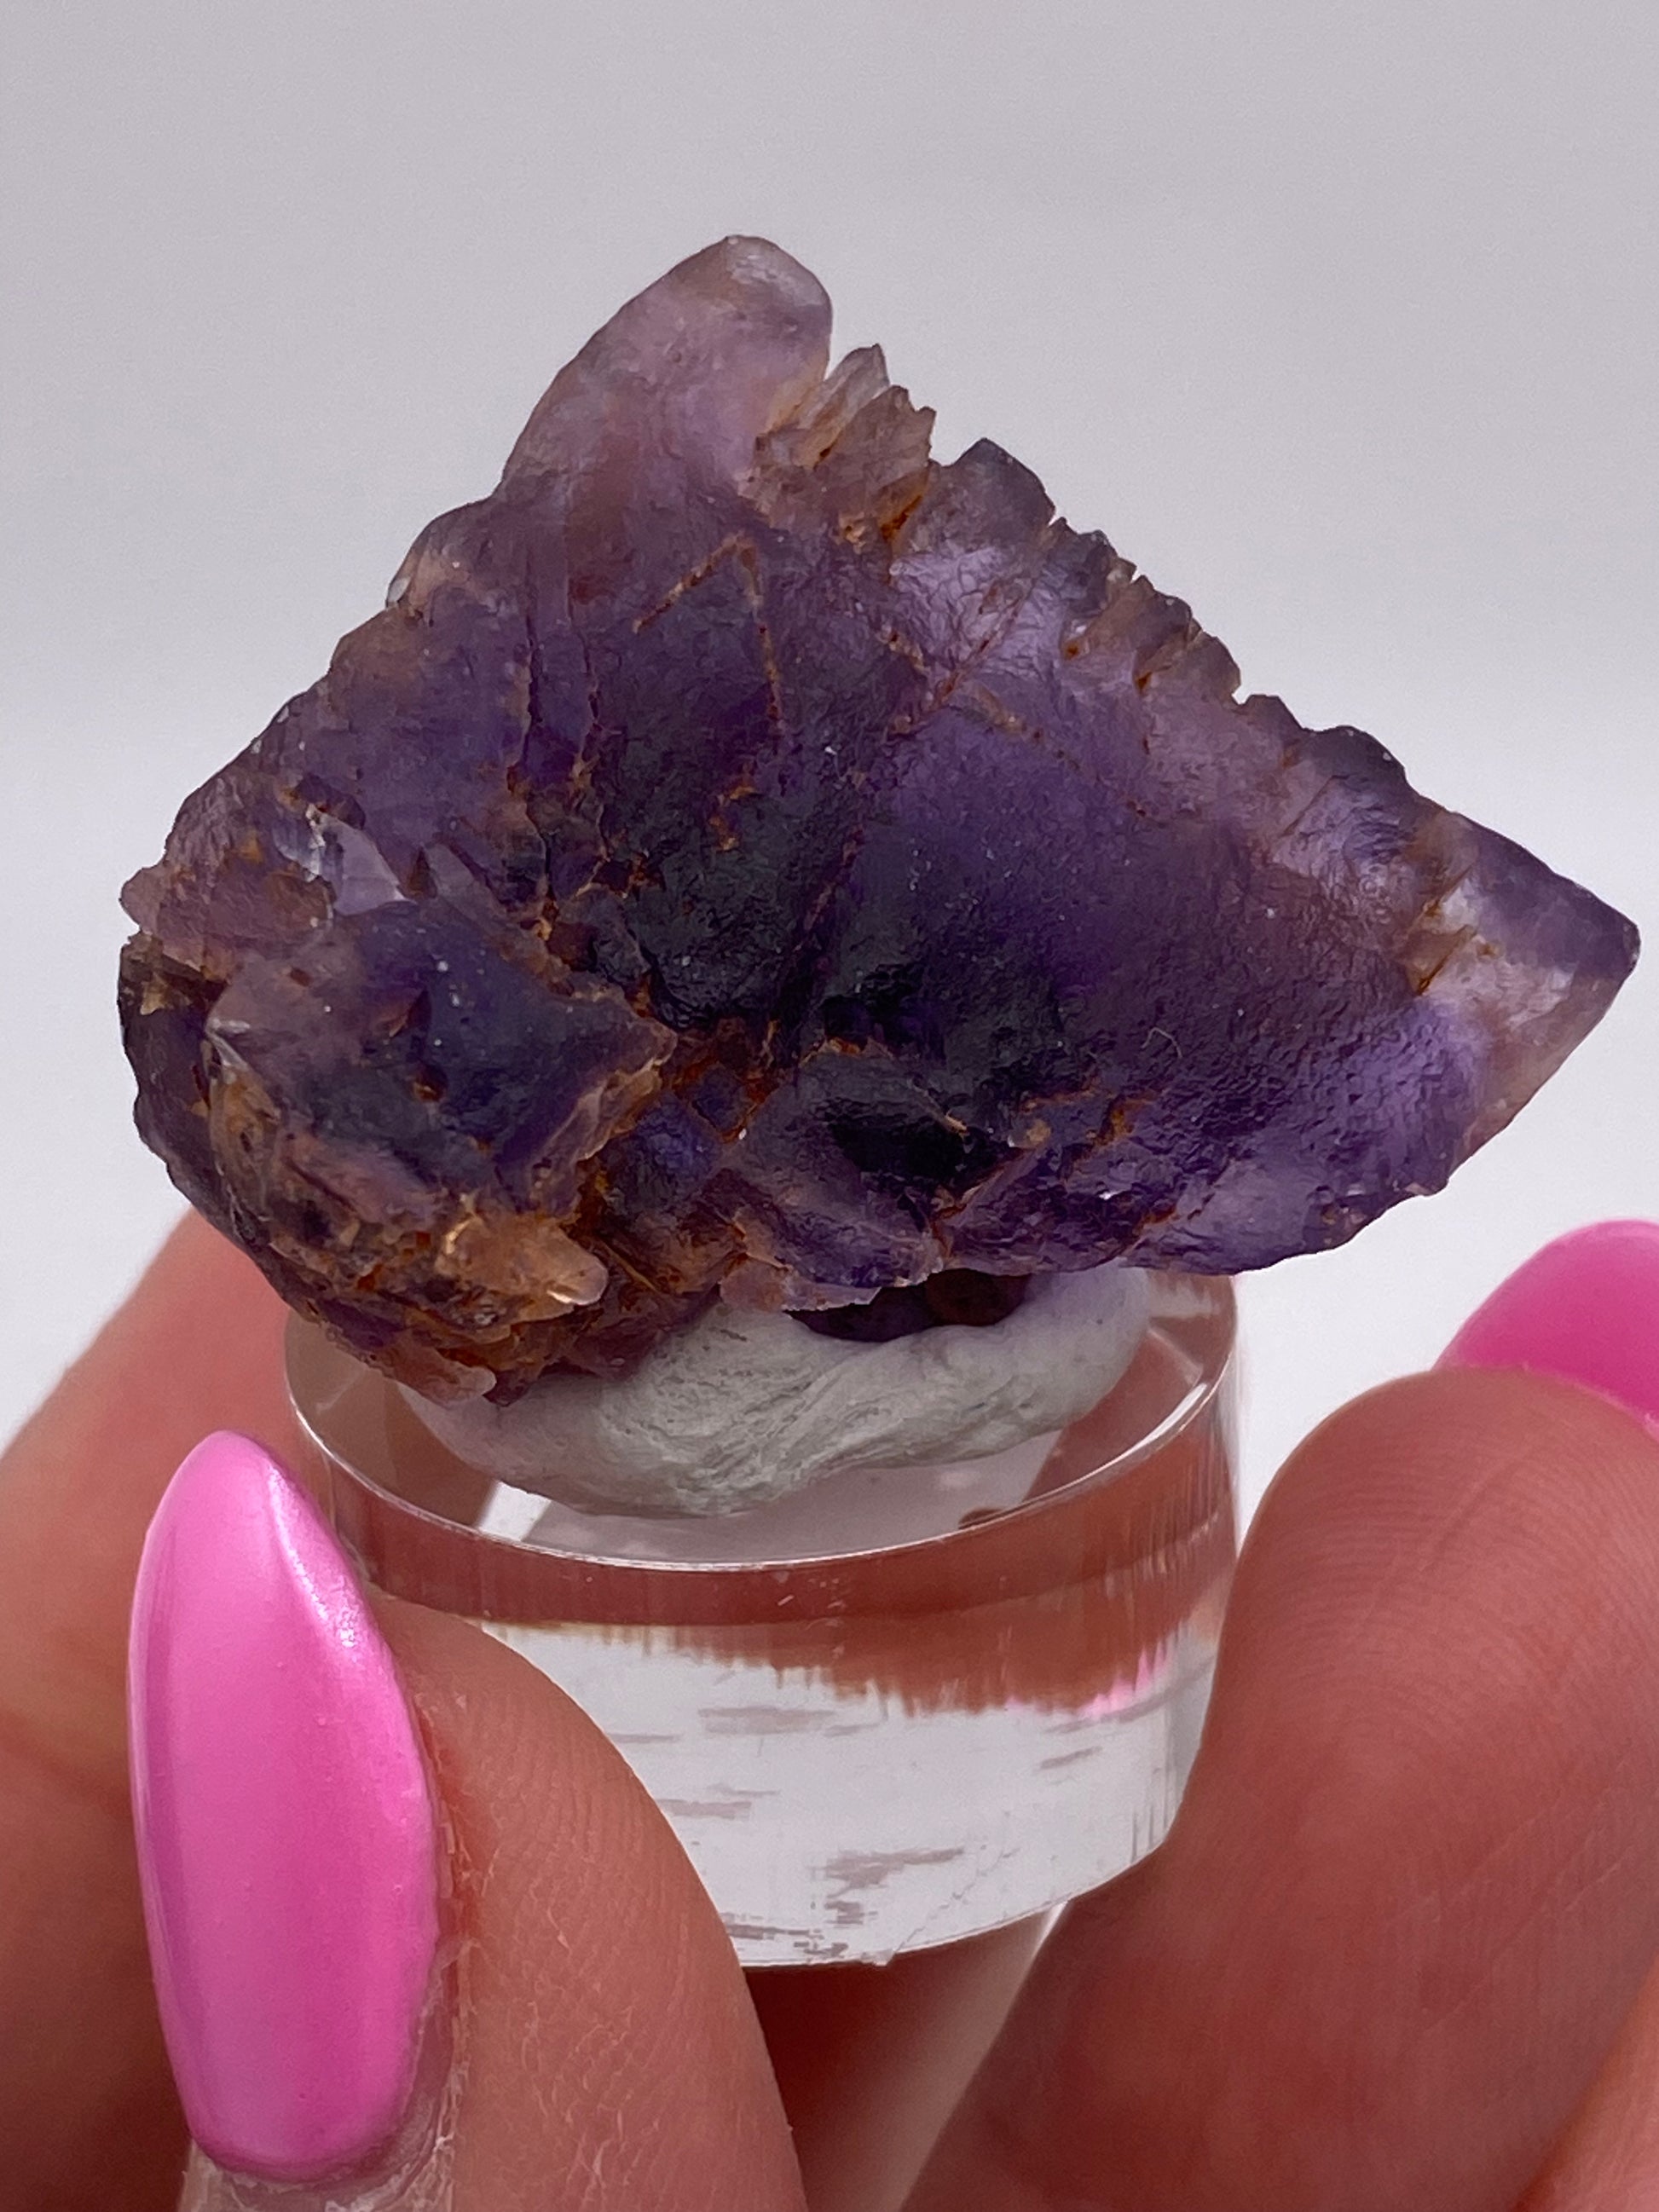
(901, 1709)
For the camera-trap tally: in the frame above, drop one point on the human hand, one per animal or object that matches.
(1394, 1956)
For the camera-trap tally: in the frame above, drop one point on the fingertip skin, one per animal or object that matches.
(1413, 1887)
(287, 1840)
(607, 2034)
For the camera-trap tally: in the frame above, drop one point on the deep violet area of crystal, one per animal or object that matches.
(749, 857)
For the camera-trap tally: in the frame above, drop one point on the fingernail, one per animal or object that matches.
(1586, 1307)
(286, 1842)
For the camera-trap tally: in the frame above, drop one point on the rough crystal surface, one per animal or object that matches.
(749, 858)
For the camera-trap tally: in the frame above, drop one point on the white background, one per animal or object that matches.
(1341, 322)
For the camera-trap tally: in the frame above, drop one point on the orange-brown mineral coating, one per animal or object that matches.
(749, 858)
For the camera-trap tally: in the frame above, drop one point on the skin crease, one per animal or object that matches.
(1390, 1965)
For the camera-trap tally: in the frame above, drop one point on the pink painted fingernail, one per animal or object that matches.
(1586, 1307)
(287, 1843)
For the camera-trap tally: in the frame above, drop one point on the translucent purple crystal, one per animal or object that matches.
(749, 857)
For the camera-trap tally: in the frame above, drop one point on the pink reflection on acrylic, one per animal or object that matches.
(1586, 1309)
(286, 1835)
(1152, 1671)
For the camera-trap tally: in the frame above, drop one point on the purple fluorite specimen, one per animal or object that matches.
(749, 857)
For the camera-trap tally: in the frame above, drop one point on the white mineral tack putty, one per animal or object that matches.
(742, 1408)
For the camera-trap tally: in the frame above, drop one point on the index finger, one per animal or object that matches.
(1414, 1886)
(87, 2108)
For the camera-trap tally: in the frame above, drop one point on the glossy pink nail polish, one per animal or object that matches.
(1586, 1307)
(286, 1842)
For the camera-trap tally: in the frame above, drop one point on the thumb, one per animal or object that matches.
(420, 1939)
